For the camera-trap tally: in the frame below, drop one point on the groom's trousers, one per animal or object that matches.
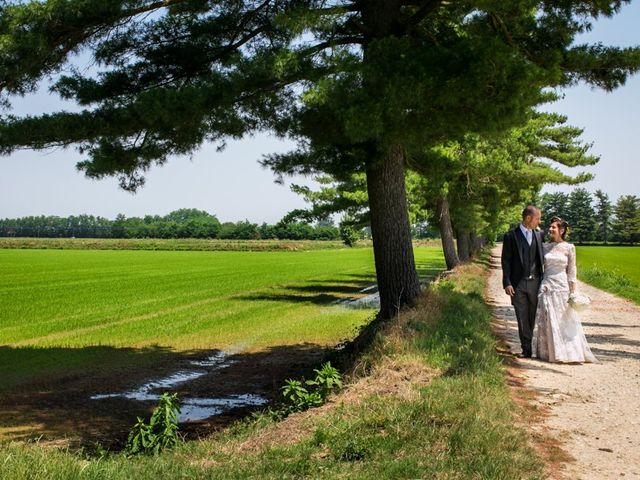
(525, 303)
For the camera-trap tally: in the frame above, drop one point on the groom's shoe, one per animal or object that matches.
(524, 355)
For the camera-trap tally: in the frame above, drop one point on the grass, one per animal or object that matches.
(429, 400)
(64, 309)
(614, 269)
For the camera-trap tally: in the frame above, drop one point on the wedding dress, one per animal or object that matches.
(559, 332)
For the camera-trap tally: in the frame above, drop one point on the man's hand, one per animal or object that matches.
(510, 291)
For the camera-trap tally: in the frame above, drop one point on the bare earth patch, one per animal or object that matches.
(592, 410)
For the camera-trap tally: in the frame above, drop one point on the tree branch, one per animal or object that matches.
(332, 43)
(351, 7)
(151, 7)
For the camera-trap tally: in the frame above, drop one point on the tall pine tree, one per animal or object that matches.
(553, 205)
(581, 216)
(626, 226)
(603, 210)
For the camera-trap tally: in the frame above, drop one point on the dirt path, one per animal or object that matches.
(594, 410)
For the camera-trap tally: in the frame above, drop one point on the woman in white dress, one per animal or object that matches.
(559, 337)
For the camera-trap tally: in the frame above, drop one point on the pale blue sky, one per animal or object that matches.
(233, 186)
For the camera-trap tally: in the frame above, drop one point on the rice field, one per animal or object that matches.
(614, 269)
(60, 309)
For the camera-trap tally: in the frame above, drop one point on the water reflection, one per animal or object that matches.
(192, 409)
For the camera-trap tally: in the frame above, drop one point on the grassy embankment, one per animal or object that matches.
(614, 269)
(429, 401)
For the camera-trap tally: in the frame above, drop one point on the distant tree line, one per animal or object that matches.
(183, 223)
(594, 217)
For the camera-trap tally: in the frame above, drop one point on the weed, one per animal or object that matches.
(327, 379)
(297, 397)
(160, 433)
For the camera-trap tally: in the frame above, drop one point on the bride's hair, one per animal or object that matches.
(562, 224)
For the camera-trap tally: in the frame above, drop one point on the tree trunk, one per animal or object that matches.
(464, 251)
(398, 282)
(446, 232)
(473, 244)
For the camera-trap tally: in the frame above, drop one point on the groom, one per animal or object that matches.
(522, 265)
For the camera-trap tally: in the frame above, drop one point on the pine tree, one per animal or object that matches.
(626, 226)
(553, 205)
(581, 216)
(603, 210)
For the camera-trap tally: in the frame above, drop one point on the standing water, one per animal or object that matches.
(192, 408)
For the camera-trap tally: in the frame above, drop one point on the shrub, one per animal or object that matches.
(349, 235)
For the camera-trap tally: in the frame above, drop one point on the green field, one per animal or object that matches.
(433, 402)
(615, 269)
(62, 309)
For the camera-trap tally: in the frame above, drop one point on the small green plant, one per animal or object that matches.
(327, 379)
(297, 397)
(352, 451)
(160, 433)
(349, 235)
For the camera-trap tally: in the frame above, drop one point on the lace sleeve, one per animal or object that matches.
(571, 266)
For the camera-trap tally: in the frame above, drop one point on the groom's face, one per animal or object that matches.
(532, 221)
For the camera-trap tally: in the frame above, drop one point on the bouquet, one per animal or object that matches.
(579, 301)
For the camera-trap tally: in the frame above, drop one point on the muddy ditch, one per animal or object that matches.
(215, 388)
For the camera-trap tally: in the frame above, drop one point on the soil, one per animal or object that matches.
(590, 411)
(59, 410)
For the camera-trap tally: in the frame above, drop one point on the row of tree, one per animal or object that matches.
(594, 217)
(183, 223)
(376, 88)
(471, 190)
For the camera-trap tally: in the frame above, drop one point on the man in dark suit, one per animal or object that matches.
(522, 267)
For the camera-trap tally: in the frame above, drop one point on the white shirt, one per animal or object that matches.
(528, 234)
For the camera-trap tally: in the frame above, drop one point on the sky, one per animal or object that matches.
(233, 186)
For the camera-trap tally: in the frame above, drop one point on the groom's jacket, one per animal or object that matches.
(514, 256)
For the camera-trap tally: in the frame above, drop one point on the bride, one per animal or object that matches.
(560, 337)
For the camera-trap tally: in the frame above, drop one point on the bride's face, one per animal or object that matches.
(555, 232)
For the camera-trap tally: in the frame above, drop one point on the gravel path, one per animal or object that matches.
(594, 409)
